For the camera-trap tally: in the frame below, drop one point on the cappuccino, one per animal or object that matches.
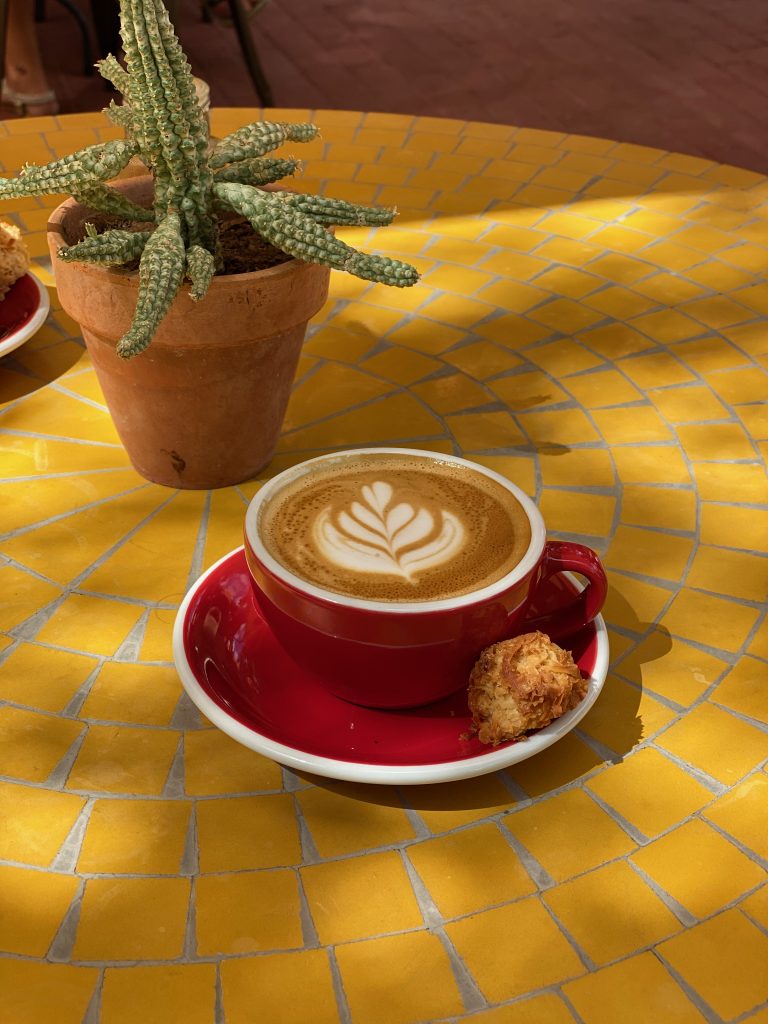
(395, 527)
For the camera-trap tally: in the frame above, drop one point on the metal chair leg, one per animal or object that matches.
(242, 27)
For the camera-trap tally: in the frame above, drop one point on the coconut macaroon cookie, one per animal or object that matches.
(14, 258)
(520, 684)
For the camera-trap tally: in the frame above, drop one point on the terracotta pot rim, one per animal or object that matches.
(55, 224)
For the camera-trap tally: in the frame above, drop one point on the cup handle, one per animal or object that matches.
(566, 556)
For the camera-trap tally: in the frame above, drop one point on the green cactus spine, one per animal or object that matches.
(167, 130)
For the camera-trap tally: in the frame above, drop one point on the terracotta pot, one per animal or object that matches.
(204, 404)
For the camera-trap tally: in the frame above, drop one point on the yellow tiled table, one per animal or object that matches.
(593, 323)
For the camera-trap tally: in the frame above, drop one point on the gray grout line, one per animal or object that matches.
(338, 987)
(219, 1001)
(538, 873)
(683, 915)
(309, 852)
(93, 1012)
(66, 859)
(174, 783)
(61, 947)
(469, 990)
(704, 1008)
(431, 915)
(308, 930)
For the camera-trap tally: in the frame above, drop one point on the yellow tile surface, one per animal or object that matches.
(35, 991)
(42, 677)
(739, 746)
(504, 970)
(132, 919)
(740, 813)
(371, 896)
(32, 744)
(471, 870)
(680, 860)
(593, 835)
(575, 512)
(247, 912)
(725, 960)
(239, 833)
(345, 818)
(610, 298)
(214, 763)
(604, 927)
(124, 759)
(144, 694)
(649, 553)
(736, 573)
(671, 668)
(710, 620)
(91, 624)
(571, 759)
(664, 507)
(263, 981)
(650, 791)
(135, 837)
(624, 716)
(34, 904)
(635, 990)
(159, 994)
(446, 806)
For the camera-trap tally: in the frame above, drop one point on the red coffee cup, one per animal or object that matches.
(405, 654)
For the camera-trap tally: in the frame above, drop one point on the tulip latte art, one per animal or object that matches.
(395, 528)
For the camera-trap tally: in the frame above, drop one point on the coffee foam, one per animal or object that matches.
(395, 528)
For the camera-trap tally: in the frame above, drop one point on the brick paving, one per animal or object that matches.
(686, 75)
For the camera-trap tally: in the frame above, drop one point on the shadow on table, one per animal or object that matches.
(32, 367)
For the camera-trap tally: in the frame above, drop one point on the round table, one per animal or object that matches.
(592, 322)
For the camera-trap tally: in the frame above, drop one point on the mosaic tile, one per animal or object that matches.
(124, 759)
(247, 912)
(471, 870)
(650, 791)
(725, 960)
(632, 989)
(43, 677)
(159, 994)
(443, 807)
(679, 860)
(716, 742)
(240, 833)
(522, 391)
(593, 836)
(426, 987)
(649, 553)
(504, 971)
(34, 991)
(572, 759)
(740, 813)
(132, 919)
(32, 744)
(142, 694)
(710, 620)
(624, 716)
(371, 896)
(662, 507)
(291, 987)
(604, 928)
(672, 668)
(214, 764)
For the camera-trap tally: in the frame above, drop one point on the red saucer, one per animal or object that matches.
(245, 683)
(22, 312)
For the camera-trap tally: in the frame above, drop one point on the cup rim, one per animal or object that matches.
(524, 566)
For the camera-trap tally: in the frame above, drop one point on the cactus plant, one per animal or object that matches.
(193, 183)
